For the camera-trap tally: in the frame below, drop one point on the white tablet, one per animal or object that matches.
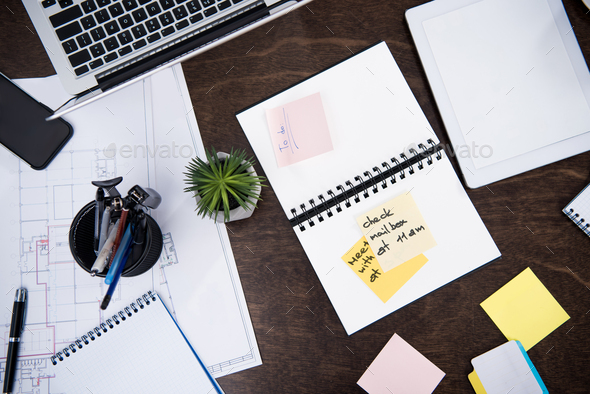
(509, 80)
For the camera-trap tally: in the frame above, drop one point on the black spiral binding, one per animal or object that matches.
(370, 181)
(109, 324)
(579, 221)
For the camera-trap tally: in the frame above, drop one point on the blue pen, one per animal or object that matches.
(117, 260)
(113, 285)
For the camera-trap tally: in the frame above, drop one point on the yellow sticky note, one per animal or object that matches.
(384, 284)
(524, 310)
(396, 231)
(476, 383)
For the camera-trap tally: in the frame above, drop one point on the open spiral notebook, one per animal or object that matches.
(140, 349)
(383, 147)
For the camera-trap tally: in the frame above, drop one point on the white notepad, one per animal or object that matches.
(506, 369)
(139, 350)
(373, 118)
(578, 210)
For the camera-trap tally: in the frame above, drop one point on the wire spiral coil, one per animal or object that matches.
(370, 181)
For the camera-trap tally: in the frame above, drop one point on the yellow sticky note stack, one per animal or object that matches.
(396, 231)
(384, 284)
(524, 310)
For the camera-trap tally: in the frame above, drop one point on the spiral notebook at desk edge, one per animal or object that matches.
(578, 210)
(383, 146)
(140, 349)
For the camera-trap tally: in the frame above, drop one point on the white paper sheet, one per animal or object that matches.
(146, 133)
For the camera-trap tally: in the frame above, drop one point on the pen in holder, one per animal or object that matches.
(100, 224)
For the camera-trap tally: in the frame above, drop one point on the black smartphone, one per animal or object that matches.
(24, 130)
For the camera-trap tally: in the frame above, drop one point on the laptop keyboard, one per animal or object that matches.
(94, 33)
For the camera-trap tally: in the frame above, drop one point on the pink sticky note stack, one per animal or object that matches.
(299, 130)
(400, 369)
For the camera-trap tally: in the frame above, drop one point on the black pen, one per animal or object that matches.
(98, 210)
(17, 325)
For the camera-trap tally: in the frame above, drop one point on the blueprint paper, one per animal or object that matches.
(145, 133)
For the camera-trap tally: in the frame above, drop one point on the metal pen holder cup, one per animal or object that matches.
(82, 243)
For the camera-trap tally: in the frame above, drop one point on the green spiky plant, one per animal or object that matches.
(222, 184)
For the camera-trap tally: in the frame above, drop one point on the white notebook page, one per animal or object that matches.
(146, 353)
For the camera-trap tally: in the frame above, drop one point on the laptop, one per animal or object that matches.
(100, 46)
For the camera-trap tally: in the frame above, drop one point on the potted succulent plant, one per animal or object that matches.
(226, 183)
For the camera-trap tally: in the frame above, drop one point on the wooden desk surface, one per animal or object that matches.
(303, 345)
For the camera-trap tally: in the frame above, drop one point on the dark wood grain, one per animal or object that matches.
(303, 345)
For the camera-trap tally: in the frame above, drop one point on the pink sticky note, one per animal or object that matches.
(400, 369)
(299, 130)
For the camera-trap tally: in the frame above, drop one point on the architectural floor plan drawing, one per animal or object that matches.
(142, 133)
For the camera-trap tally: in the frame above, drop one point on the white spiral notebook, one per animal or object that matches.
(383, 147)
(578, 210)
(140, 349)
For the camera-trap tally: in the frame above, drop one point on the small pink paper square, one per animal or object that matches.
(299, 130)
(400, 369)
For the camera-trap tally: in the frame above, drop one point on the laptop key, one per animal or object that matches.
(125, 21)
(166, 18)
(167, 4)
(111, 44)
(193, 6)
(223, 5)
(142, 2)
(139, 15)
(111, 28)
(65, 16)
(79, 58)
(152, 25)
(102, 16)
(68, 30)
(207, 3)
(153, 8)
(96, 63)
(210, 11)
(103, 3)
(70, 46)
(48, 3)
(88, 22)
(182, 24)
(154, 37)
(81, 70)
(167, 31)
(195, 18)
(138, 31)
(180, 1)
(98, 33)
(129, 4)
(89, 6)
(180, 12)
(65, 3)
(125, 37)
(84, 40)
(110, 57)
(97, 50)
(116, 10)
(236, 1)
(125, 50)
(139, 44)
